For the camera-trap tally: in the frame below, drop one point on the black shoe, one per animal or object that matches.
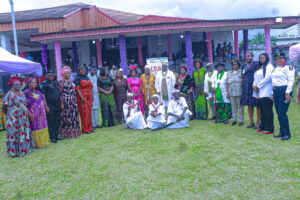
(98, 126)
(233, 123)
(213, 118)
(59, 138)
(278, 136)
(286, 137)
(250, 126)
(218, 121)
(256, 127)
(226, 122)
(53, 140)
(241, 124)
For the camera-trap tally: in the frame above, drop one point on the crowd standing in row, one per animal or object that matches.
(53, 109)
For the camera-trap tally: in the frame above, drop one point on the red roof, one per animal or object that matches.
(124, 18)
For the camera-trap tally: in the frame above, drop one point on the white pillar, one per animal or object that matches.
(5, 42)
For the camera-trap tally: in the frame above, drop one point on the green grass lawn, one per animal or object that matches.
(204, 161)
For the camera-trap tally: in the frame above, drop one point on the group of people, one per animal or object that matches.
(224, 52)
(56, 110)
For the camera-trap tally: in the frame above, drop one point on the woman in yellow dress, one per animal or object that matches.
(148, 87)
(2, 115)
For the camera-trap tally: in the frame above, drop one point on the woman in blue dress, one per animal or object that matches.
(247, 98)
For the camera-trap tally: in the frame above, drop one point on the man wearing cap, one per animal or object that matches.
(95, 109)
(113, 72)
(283, 77)
(156, 117)
(133, 116)
(50, 90)
(148, 87)
(178, 112)
(164, 84)
(208, 89)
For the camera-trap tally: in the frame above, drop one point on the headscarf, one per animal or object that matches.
(155, 96)
(175, 91)
(147, 67)
(13, 79)
(130, 94)
(133, 67)
(184, 67)
(80, 69)
(66, 69)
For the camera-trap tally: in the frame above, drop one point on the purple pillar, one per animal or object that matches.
(45, 56)
(58, 59)
(99, 55)
(75, 56)
(189, 51)
(209, 48)
(205, 44)
(245, 38)
(123, 56)
(268, 42)
(236, 44)
(140, 52)
(170, 47)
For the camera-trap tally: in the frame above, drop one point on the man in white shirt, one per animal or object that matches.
(95, 109)
(178, 112)
(156, 117)
(134, 118)
(164, 84)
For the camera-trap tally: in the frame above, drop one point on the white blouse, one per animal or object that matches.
(264, 83)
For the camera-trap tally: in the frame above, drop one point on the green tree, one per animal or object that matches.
(260, 38)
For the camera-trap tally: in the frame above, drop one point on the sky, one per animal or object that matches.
(201, 9)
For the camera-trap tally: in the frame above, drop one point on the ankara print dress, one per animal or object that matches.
(19, 141)
(39, 125)
(69, 125)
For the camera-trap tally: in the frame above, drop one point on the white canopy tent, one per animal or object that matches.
(11, 64)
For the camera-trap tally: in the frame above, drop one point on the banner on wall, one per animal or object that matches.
(155, 64)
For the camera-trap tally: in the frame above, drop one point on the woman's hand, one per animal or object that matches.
(31, 117)
(61, 106)
(255, 89)
(227, 96)
(272, 97)
(47, 109)
(189, 92)
(288, 97)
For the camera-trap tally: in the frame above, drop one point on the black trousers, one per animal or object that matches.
(267, 116)
(281, 108)
(53, 119)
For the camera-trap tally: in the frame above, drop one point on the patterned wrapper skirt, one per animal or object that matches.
(223, 111)
(108, 110)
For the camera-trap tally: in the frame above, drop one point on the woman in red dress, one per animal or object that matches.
(84, 93)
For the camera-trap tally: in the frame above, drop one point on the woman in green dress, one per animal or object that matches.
(108, 107)
(200, 98)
